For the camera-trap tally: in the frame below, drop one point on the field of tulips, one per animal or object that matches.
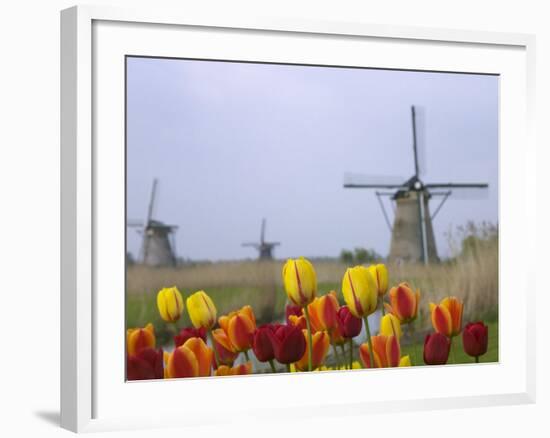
(318, 333)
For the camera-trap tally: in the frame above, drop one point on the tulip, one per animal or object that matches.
(350, 326)
(239, 326)
(225, 353)
(188, 333)
(380, 274)
(323, 312)
(289, 344)
(147, 363)
(447, 316)
(321, 344)
(170, 303)
(298, 321)
(182, 362)
(390, 325)
(290, 310)
(202, 353)
(360, 291)
(475, 338)
(405, 361)
(436, 349)
(300, 281)
(386, 352)
(262, 345)
(201, 310)
(224, 370)
(404, 303)
(361, 295)
(140, 338)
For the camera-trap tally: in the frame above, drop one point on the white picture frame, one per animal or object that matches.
(94, 395)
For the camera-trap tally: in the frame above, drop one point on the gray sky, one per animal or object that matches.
(231, 143)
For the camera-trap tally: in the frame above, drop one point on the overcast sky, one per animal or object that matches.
(231, 143)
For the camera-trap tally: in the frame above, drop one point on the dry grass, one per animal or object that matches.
(471, 276)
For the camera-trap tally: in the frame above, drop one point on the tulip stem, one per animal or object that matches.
(215, 349)
(453, 357)
(369, 340)
(288, 368)
(272, 366)
(336, 355)
(477, 359)
(310, 341)
(415, 353)
(350, 353)
(382, 306)
(246, 355)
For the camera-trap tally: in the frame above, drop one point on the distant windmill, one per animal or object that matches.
(265, 249)
(412, 232)
(157, 247)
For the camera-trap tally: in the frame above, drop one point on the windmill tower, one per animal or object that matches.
(157, 247)
(412, 236)
(265, 249)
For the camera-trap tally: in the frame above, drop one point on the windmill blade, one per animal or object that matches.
(457, 185)
(422, 225)
(253, 244)
(357, 180)
(462, 191)
(262, 232)
(134, 224)
(419, 139)
(152, 201)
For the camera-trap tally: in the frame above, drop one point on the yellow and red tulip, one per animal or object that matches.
(182, 362)
(201, 309)
(404, 302)
(140, 338)
(300, 281)
(360, 291)
(386, 352)
(242, 369)
(447, 316)
(321, 344)
(405, 361)
(323, 312)
(239, 326)
(226, 352)
(380, 275)
(202, 353)
(170, 303)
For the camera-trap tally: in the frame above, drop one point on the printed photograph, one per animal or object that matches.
(285, 218)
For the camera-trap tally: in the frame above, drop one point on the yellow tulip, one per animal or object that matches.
(360, 291)
(390, 325)
(170, 303)
(300, 281)
(201, 309)
(380, 274)
(405, 361)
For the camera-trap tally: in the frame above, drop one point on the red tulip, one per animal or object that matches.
(289, 343)
(147, 363)
(475, 338)
(188, 333)
(349, 325)
(436, 349)
(262, 345)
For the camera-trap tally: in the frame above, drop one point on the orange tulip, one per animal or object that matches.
(323, 311)
(182, 362)
(447, 316)
(139, 338)
(386, 349)
(321, 344)
(224, 370)
(226, 351)
(239, 326)
(298, 321)
(404, 302)
(202, 353)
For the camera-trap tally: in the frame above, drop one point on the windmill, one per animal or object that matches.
(412, 232)
(157, 247)
(265, 249)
